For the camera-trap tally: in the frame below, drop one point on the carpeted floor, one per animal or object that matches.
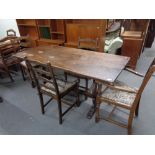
(20, 112)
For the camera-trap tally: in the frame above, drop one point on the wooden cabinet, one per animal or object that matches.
(133, 40)
(132, 48)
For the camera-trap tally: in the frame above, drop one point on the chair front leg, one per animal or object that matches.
(60, 111)
(23, 73)
(97, 115)
(77, 96)
(137, 107)
(130, 119)
(9, 74)
(41, 103)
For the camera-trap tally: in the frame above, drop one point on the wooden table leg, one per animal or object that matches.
(93, 108)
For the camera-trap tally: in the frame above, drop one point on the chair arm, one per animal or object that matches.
(134, 72)
(129, 90)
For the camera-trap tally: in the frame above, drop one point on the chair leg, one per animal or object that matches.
(23, 73)
(77, 97)
(131, 116)
(31, 78)
(60, 111)
(97, 116)
(41, 103)
(9, 74)
(66, 78)
(137, 108)
(86, 88)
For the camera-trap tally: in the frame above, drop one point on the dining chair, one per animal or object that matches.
(86, 44)
(120, 95)
(48, 84)
(8, 47)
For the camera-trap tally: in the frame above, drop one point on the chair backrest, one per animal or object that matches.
(147, 77)
(11, 32)
(43, 74)
(88, 43)
(7, 48)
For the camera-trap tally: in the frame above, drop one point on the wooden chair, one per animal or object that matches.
(11, 32)
(86, 44)
(8, 47)
(123, 96)
(47, 84)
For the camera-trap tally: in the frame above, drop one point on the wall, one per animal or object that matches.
(6, 24)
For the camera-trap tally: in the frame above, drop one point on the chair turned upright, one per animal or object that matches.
(120, 95)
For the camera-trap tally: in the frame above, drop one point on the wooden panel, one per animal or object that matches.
(26, 21)
(86, 21)
(31, 31)
(96, 29)
(132, 48)
(45, 22)
(49, 42)
(135, 34)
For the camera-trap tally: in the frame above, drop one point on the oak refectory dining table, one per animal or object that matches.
(98, 66)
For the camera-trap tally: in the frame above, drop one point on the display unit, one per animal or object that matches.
(63, 31)
(51, 31)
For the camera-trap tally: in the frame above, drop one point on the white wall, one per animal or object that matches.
(6, 24)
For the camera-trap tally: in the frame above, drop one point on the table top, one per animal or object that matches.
(95, 65)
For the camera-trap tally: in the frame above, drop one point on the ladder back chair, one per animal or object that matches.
(86, 44)
(48, 84)
(123, 96)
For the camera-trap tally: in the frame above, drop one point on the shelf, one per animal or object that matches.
(71, 44)
(44, 26)
(30, 25)
(56, 32)
(52, 40)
